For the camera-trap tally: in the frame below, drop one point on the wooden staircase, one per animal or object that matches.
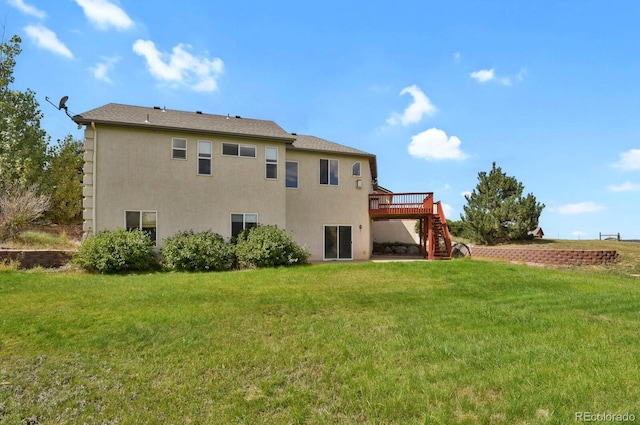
(441, 236)
(435, 240)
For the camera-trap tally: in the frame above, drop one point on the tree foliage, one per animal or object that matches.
(497, 212)
(23, 144)
(63, 180)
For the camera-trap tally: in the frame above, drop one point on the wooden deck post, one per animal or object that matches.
(430, 238)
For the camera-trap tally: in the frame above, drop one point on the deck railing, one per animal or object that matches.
(400, 204)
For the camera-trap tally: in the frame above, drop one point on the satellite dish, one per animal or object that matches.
(62, 104)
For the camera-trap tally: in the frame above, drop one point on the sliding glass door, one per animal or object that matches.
(338, 243)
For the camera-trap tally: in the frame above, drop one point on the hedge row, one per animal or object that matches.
(120, 250)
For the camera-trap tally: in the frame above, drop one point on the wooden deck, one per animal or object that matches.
(400, 205)
(435, 241)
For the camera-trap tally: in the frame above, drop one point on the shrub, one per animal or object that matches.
(268, 246)
(189, 251)
(113, 251)
(18, 208)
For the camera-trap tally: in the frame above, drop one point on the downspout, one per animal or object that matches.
(95, 175)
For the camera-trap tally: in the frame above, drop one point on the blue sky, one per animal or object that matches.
(549, 90)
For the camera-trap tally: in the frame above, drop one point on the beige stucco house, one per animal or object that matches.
(166, 171)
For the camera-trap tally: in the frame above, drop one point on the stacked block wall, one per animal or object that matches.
(547, 256)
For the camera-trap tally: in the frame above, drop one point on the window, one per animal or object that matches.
(355, 169)
(240, 222)
(292, 175)
(329, 172)
(233, 149)
(179, 149)
(271, 159)
(204, 158)
(142, 220)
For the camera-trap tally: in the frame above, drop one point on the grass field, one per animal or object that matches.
(441, 342)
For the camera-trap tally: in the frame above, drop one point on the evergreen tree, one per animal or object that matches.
(497, 212)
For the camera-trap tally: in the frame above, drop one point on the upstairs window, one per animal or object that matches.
(271, 159)
(234, 149)
(240, 222)
(292, 175)
(355, 169)
(329, 172)
(179, 149)
(142, 220)
(204, 158)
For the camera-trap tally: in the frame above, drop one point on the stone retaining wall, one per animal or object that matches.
(35, 257)
(547, 256)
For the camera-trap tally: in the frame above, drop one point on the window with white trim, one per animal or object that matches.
(147, 221)
(271, 160)
(329, 172)
(204, 158)
(234, 149)
(292, 175)
(355, 169)
(178, 148)
(240, 222)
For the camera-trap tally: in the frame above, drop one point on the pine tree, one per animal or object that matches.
(497, 212)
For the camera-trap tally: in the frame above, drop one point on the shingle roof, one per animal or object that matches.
(316, 144)
(157, 118)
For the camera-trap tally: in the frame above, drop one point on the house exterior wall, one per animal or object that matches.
(136, 173)
(395, 231)
(312, 205)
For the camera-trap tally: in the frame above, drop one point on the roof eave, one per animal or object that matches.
(79, 119)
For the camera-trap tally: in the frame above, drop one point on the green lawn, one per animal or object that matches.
(440, 342)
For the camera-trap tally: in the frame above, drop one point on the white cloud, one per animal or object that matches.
(487, 75)
(101, 69)
(456, 57)
(629, 160)
(434, 144)
(27, 8)
(624, 187)
(48, 40)
(483, 76)
(421, 106)
(181, 67)
(579, 208)
(104, 14)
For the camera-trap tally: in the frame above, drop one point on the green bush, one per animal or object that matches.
(189, 251)
(113, 251)
(268, 246)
